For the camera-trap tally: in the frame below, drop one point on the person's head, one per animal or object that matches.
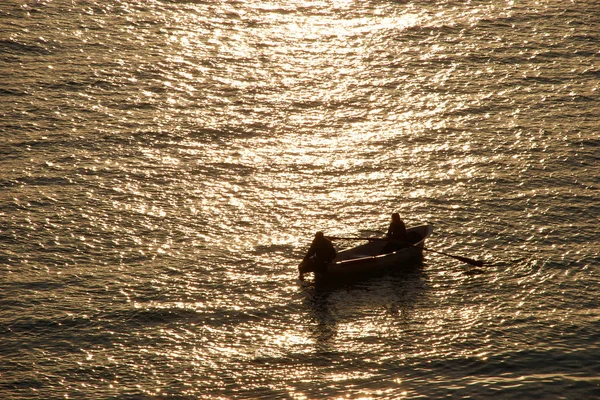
(319, 235)
(396, 217)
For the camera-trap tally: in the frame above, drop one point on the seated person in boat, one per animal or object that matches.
(397, 235)
(320, 253)
(397, 229)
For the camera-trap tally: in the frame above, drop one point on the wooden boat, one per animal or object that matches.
(374, 257)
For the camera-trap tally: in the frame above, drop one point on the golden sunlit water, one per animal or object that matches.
(165, 165)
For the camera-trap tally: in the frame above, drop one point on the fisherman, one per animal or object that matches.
(397, 229)
(396, 234)
(320, 253)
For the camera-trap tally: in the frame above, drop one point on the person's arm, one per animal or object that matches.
(310, 252)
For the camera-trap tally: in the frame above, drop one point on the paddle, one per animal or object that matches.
(476, 263)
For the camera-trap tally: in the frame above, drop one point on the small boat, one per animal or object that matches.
(374, 257)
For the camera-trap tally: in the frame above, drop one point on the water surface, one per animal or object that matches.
(165, 165)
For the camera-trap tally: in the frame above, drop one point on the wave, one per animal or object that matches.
(16, 48)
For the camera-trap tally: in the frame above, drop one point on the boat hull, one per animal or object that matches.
(372, 258)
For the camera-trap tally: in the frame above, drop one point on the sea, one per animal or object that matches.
(165, 164)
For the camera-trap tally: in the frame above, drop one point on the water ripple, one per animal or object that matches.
(166, 164)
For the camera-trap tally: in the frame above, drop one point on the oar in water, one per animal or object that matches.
(476, 263)
(470, 261)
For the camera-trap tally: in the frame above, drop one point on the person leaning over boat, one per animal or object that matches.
(320, 253)
(396, 234)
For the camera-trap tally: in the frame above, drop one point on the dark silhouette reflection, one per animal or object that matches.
(332, 303)
(324, 328)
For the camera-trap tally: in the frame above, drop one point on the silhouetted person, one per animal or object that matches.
(397, 235)
(397, 229)
(320, 253)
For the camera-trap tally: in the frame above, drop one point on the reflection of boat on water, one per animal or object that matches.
(372, 258)
(339, 308)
